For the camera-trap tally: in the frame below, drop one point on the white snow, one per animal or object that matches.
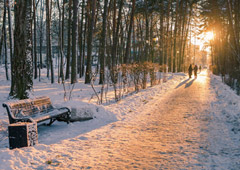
(202, 132)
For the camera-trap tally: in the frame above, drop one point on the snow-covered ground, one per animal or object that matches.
(79, 145)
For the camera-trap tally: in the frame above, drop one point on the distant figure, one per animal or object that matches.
(200, 69)
(223, 75)
(190, 71)
(195, 71)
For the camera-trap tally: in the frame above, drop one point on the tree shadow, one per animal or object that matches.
(182, 83)
(189, 83)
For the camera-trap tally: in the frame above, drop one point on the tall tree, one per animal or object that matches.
(69, 38)
(60, 40)
(103, 43)
(128, 47)
(48, 37)
(74, 42)
(35, 39)
(81, 43)
(116, 33)
(5, 40)
(10, 29)
(91, 20)
(1, 44)
(41, 36)
(22, 59)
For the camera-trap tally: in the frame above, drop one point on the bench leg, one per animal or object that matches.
(51, 122)
(68, 117)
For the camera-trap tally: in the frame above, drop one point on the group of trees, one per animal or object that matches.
(116, 32)
(222, 17)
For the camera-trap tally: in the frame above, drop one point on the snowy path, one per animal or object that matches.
(178, 131)
(181, 130)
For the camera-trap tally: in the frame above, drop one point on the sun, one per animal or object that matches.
(209, 35)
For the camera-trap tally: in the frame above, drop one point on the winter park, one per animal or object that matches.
(118, 84)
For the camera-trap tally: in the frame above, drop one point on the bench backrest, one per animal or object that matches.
(28, 107)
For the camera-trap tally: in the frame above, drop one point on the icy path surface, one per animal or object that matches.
(184, 129)
(177, 132)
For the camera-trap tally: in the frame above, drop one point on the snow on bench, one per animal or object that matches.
(35, 110)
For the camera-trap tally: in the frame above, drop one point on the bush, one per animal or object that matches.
(127, 76)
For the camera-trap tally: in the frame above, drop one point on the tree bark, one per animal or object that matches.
(69, 38)
(22, 60)
(115, 35)
(5, 40)
(60, 44)
(74, 42)
(35, 40)
(128, 46)
(48, 37)
(81, 42)
(103, 43)
(91, 18)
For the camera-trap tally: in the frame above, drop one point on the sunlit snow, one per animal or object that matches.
(181, 124)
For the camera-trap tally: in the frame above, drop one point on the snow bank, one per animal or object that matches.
(228, 103)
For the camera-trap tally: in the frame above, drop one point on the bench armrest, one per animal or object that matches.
(10, 115)
(64, 108)
(68, 114)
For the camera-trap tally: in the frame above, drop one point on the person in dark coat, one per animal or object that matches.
(190, 71)
(200, 68)
(195, 71)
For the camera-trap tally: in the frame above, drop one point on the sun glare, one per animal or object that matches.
(209, 35)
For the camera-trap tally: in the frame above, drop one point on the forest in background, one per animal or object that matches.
(222, 17)
(126, 41)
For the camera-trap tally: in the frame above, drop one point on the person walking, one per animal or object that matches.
(195, 71)
(200, 69)
(190, 71)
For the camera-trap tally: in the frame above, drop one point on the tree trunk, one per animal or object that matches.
(5, 40)
(40, 40)
(167, 35)
(80, 41)
(146, 48)
(35, 40)
(74, 42)
(115, 35)
(69, 38)
(103, 43)
(84, 44)
(22, 59)
(1, 45)
(233, 31)
(175, 53)
(48, 37)
(162, 38)
(60, 43)
(128, 46)
(63, 21)
(91, 17)
(10, 30)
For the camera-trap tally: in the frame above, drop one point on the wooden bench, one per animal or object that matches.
(35, 110)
